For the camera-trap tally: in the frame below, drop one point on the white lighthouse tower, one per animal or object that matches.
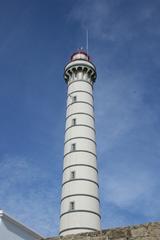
(80, 190)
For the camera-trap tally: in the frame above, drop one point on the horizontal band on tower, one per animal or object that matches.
(80, 138)
(80, 179)
(80, 113)
(78, 228)
(80, 165)
(80, 102)
(75, 211)
(69, 95)
(80, 125)
(80, 151)
(85, 65)
(83, 195)
(80, 81)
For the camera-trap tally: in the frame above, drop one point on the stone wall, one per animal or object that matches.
(149, 231)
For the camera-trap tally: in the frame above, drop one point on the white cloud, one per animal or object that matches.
(117, 102)
(91, 14)
(134, 187)
(108, 20)
(27, 195)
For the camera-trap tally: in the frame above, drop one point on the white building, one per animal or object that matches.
(11, 229)
(80, 190)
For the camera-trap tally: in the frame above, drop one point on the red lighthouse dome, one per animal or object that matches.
(80, 55)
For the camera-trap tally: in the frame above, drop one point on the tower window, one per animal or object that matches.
(74, 98)
(73, 174)
(73, 147)
(72, 206)
(74, 121)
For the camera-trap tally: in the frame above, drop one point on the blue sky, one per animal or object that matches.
(37, 39)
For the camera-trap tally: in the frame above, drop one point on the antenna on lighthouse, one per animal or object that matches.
(87, 40)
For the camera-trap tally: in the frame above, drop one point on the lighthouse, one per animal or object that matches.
(80, 210)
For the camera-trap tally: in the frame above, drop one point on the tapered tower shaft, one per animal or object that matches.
(80, 190)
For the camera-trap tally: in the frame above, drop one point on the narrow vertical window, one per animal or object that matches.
(73, 147)
(74, 98)
(74, 121)
(72, 206)
(73, 174)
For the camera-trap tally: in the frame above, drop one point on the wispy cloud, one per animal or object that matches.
(132, 190)
(114, 21)
(121, 108)
(25, 193)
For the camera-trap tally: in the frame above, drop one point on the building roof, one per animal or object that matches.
(20, 225)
